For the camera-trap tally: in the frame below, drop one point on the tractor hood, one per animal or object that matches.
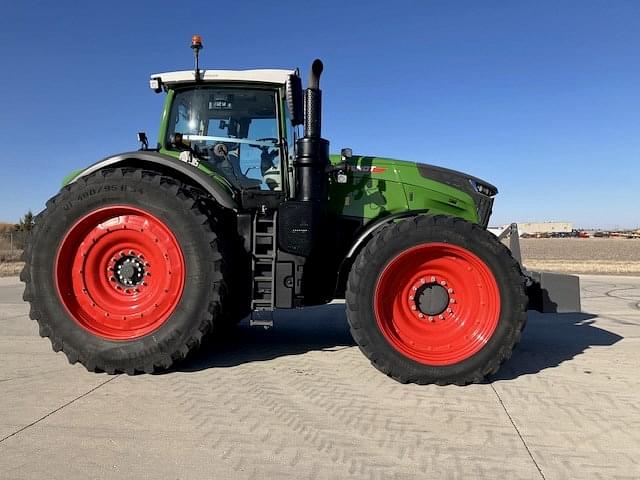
(460, 180)
(422, 175)
(427, 187)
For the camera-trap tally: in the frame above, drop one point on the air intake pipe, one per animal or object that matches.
(312, 156)
(302, 220)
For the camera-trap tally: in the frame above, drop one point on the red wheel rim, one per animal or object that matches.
(120, 272)
(471, 305)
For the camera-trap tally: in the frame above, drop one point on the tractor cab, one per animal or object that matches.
(233, 123)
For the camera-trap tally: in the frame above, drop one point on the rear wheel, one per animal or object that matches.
(125, 272)
(436, 299)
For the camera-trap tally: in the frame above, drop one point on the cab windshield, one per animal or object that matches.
(235, 130)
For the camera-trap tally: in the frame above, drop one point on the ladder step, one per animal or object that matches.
(261, 318)
(263, 267)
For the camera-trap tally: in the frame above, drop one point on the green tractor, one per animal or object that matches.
(142, 255)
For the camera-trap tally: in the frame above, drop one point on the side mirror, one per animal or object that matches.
(144, 143)
(294, 100)
(346, 154)
(155, 84)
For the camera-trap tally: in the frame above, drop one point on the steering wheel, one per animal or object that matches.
(265, 148)
(266, 157)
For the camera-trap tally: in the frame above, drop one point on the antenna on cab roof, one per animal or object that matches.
(196, 45)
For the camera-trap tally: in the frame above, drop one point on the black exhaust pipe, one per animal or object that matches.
(313, 102)
(312, 151)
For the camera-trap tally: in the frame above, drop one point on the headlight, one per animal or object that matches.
(483, 189)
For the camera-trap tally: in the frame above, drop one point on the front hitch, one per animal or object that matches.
(548, 292)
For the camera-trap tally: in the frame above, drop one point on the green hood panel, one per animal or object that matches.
(378, 186)
(373, 189)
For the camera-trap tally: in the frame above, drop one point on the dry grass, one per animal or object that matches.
(6, 227)
(10, 269)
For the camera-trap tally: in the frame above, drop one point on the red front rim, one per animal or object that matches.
(467, 293)
(120, 272)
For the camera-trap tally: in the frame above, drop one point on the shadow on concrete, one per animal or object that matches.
(294, 332)
(550, 339)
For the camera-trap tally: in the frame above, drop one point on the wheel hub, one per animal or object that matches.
(120, 272)
(432, 299)
(437, 303)
(129, 270)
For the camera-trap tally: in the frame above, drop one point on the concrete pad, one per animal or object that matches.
(301, 401)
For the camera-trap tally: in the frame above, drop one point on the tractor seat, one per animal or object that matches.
(230, 167)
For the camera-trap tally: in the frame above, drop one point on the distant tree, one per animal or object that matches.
(26, 222)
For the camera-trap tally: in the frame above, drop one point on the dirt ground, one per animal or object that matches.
(610, 256)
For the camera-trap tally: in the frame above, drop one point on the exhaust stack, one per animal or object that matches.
(313, 102)
(312, 151)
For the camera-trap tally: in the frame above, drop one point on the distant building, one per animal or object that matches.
(544, 227)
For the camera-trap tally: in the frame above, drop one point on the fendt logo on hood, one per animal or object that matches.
(370, 169)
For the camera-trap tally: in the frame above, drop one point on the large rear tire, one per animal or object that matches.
(126, 271)
(436, 299)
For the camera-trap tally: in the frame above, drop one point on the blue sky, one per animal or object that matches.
(541, 98)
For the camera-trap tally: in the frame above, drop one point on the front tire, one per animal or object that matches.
(124, 272)
(436, 299)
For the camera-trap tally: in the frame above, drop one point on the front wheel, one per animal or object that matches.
(436, 299)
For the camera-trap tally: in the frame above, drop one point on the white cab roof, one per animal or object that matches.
(262, 76)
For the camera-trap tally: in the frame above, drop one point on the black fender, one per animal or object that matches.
(361, 240)
(165, 163)
(376, 225)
